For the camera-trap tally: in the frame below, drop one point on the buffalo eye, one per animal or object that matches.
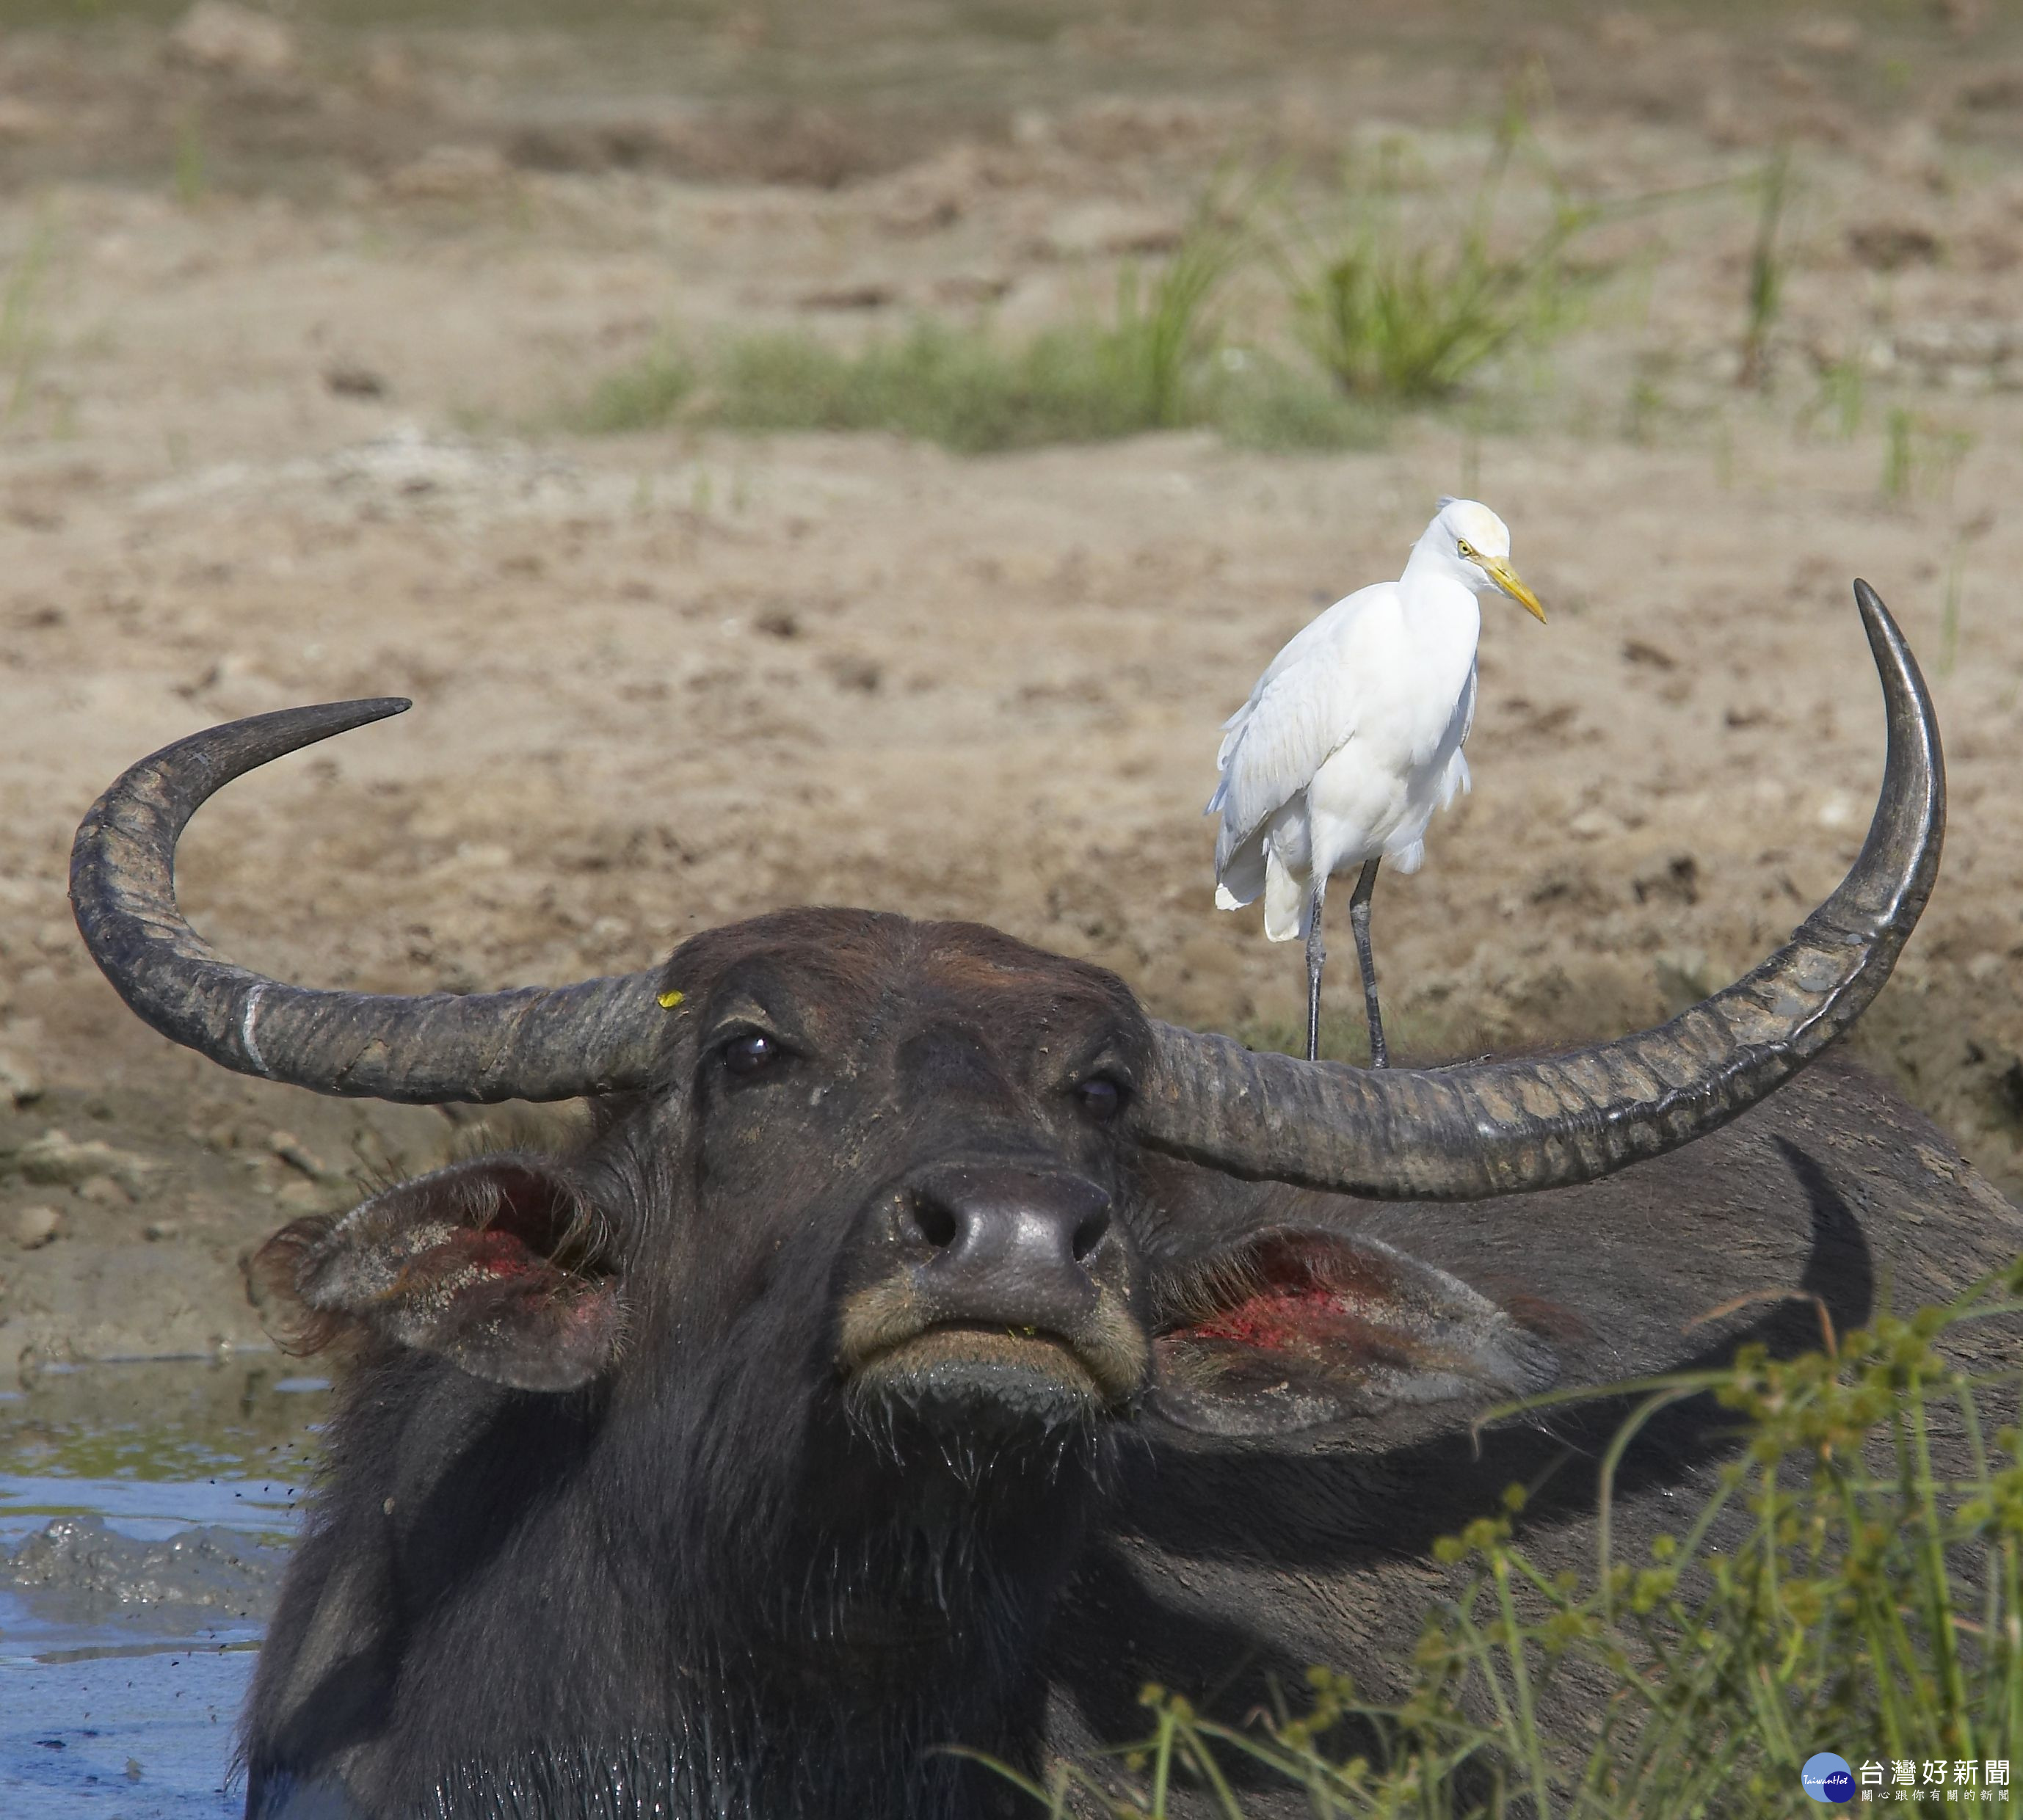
(1099, 1097)
(750, 1054)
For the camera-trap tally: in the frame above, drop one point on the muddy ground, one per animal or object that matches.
(292, 321)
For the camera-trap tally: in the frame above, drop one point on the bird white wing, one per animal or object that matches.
(1464, 713)
(1302, 710)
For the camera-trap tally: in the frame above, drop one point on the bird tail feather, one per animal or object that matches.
(1285, 901)
(1239, 874)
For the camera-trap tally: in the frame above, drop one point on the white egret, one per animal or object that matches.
(1353, 738)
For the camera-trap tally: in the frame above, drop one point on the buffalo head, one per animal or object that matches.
(911, 1143)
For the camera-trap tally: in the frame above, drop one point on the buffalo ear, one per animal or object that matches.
(1285, 1329)
(496, 1265)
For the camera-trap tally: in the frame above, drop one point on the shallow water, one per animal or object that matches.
(144, 1514)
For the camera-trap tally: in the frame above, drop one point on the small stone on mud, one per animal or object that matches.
(871, 294)
(160, 1231)
(1891, 246)
(297, 1155)
(1676, 879)
(1643, 651)
(56, 1160)
(35, 1226)
(348, 380)
(20, 1080)
(230, 40)
(847, 671)
(102, 1191)
(450, 173)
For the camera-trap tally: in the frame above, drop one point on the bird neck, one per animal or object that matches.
(1432, 591)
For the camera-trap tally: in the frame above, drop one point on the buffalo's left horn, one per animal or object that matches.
(534, 1044)
(1502, 1127)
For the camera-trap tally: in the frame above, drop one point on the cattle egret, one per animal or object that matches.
(1353, 738)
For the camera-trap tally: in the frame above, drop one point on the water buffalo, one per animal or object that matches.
(925, 1345)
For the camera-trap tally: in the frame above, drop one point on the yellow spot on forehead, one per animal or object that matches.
(670, 999)
(1482, 528)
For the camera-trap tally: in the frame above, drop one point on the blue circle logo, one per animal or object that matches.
(1826, 1777)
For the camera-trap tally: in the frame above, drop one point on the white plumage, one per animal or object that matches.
(1352, 739)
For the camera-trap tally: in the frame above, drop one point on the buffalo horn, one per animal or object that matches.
(534, 1044)
(1485, 1128)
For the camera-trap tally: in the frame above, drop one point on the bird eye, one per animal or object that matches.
(1099, 1097)
(752, 1053)
(1466, 550)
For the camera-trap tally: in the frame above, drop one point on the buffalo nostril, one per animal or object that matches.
(1088, 1235)
(936, 1223)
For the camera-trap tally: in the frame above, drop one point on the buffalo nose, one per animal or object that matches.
(1006, 1244)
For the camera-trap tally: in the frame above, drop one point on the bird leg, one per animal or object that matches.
(1316, 959)
(1358, 920)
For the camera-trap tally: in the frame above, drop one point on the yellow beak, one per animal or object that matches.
(1505, 577)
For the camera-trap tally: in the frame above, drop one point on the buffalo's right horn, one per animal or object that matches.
(534, 1044)
(1488, 1128)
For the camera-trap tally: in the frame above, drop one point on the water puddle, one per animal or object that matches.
(145, 1511)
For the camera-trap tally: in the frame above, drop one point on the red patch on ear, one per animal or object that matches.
(1303, 1292)
(503, 1311)
(1290, 1329)
(493, 1264)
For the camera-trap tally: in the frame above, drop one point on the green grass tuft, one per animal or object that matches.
(961, 387)
(1873, 1605)
(1842, 398)
(1397, 308)
(191, 173)
(1921, 453)
(1949, 618)
(645, 396)
(1766, 270)
(1259, 401)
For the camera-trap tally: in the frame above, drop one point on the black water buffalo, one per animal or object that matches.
(925, 1346)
